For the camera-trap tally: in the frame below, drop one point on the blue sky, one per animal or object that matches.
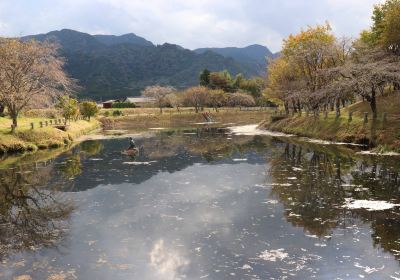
(190, 23)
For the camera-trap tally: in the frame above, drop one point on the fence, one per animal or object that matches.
(365, 116)
(59, 122)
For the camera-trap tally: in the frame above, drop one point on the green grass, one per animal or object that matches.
(27, 139)
(383, 135)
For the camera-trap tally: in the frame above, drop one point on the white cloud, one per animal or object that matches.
(190, 23)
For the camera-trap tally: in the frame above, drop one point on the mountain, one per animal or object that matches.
(109, 66)
(126, 38)
(254, 56)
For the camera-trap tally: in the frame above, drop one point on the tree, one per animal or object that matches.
(383, 16)
(69, 108)
(89, 109)
(221, 80)
(175, 100)
(31, 73)
(369, 72)
(240, 99)
(217, 98)
(196, 97)
(205, 78)
(159, 94)
(253, 86)
(390, 38)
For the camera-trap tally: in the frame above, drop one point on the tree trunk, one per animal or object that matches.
(160, 109)
(372, 103)
(196, 109)
(14, 122)
(338, 106)
(286, 104)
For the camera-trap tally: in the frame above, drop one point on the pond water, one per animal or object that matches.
(201, 205)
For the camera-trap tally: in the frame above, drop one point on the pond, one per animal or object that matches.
(201, 204)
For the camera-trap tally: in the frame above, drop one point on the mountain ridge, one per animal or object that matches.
(112, 66)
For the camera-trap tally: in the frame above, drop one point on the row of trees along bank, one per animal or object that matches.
(32, 76)
(318, 71)
(216, 89)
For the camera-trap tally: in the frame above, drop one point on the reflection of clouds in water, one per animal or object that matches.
(168, 263)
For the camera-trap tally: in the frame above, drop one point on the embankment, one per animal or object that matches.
(382, 133)
(43, 138)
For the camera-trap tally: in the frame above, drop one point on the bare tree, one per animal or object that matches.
(369, 72)
(196, 97)
(159, 94)
(30, 73)
(241, 99)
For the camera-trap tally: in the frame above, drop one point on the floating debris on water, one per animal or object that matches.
(239, 159)
(139, 162)
(252, 130)
(274, 255)
(370, 205)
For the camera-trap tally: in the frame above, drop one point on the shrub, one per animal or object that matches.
(42, 146)
(88, 109)
(117, 113)
(55, 144)
(277, 118)
(106, 113)
(123, 105)
(31, 147)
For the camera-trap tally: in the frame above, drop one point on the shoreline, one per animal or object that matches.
(45, 138)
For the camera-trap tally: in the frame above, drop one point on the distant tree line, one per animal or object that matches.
(215, 90)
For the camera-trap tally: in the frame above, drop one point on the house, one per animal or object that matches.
(108, 104)
(140, 101)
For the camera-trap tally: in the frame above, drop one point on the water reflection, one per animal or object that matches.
(30, 215)
(313, 187)
(203, 205)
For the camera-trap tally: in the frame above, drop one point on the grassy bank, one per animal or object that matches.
(139, 119)
(383, 135)
(27, 139)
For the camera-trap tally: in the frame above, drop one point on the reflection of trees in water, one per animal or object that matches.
(322, 183)
(30, 215)
(92, 147)
(309, 198)
(212, 145)
(72, 165)
(381, 178)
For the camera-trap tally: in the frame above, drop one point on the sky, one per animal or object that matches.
(189, 23)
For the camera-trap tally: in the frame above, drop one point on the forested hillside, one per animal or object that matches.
(110, 66)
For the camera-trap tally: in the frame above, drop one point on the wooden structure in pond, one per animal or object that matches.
(207, 117)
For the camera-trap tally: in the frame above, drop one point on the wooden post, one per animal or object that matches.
(47, 123)
(350, 116)
(32, 125)
(41, 124)
(51, 122)
(384, 117)
(365, 117)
